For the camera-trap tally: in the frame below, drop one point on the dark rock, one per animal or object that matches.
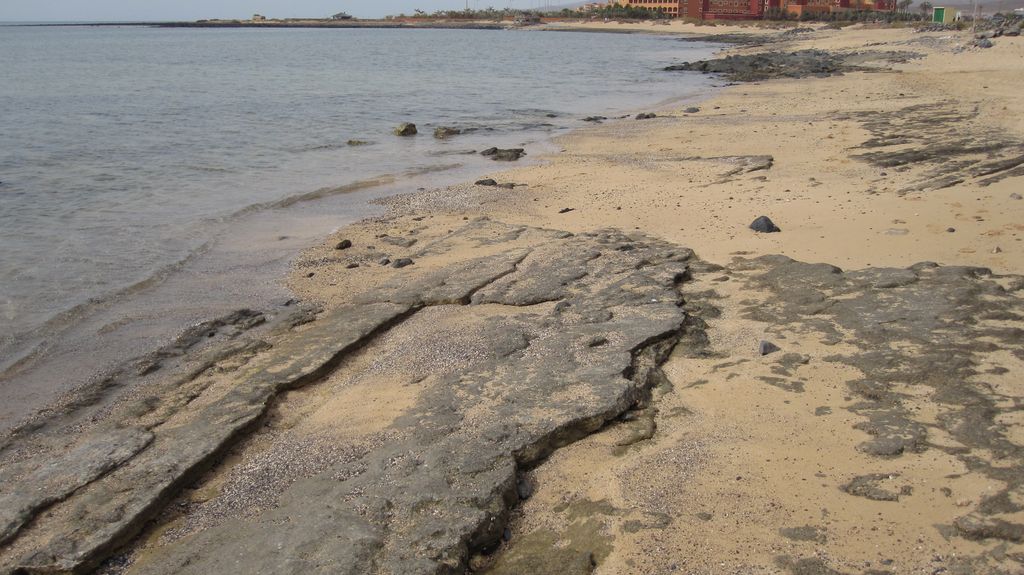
(646, 116)
(692, 110)
(384, 261)
(767, 347)
(566, 210)
(445, 132)
(310, 274)
(950, 230)
(343, 245)
(1016, 196)
(402, 262)
(769, 65)
(509, 155)
(486, 182)
(764, 225)
(596, 119)
(983, 43)
(869, 487)
(524, 489)
(507, 186)
(406, 129)
(352, 266)
(355, 143)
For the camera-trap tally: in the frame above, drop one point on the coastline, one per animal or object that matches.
(855, 466)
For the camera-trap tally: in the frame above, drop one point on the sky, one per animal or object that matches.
(149, 10)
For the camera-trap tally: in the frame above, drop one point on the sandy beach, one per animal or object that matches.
(601, 368)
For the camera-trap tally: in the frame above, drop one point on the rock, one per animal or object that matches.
(524, 489)
(358, 143)
(384, 261)
(595, 119)
(950, 230)
(692, 110)
(767, 347)
(509, 155)
(343, 245)
(352, 266)
(983, 43)
(402, 262)
(445, 132)
(646, 116)
(1016, 196)
(486, 182)
(801, 64)
(399, 241)
(997, 250)
(507, 186)
(764, 225)
(566, 210)
(406, 129)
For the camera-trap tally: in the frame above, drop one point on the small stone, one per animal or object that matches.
(997, 250)
(692, 110)
(767, 347)
(358, 143)
(524, 488)
(352, 266)
(384, 261)
(507, 186)
(950, 230)
(1016, 196)
(486, 182)
(343, 245)
(310, 274)
(406, 129)
(646, 116)
(764, 225)
(402, 262)
(566, 210)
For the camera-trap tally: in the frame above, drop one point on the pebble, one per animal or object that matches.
(950, 230)
(343, 245)
(384, 261)
(566, 210)
(352, 266)
(1016, 196)
(767, 347)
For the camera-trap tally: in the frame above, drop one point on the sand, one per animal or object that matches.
(743, 476)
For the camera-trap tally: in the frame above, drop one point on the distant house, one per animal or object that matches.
(259, 18)
(341, 16)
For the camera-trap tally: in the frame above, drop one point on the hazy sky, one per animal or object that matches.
(133, 10)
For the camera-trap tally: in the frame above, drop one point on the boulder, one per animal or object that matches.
(646, 116)
(343, 245)
(402, 262)
(692, 110)
(445, 132)
(406, 129)
(764, 225)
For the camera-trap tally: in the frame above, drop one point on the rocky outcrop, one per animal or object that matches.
(444, 485)
(509, 155)
(406, 129)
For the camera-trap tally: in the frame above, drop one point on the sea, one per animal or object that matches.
(152, 178)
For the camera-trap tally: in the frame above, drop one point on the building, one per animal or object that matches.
(702, 9)
(259, 18)
(341, 16)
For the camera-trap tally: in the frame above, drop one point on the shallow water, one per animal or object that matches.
(145, 170)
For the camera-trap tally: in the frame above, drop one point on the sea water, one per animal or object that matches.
(154, 177)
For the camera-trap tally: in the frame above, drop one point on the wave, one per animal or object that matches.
(36, 341)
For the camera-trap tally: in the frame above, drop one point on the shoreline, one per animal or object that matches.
(870, 451)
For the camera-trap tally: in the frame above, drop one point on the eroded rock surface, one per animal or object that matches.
(583, 323)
